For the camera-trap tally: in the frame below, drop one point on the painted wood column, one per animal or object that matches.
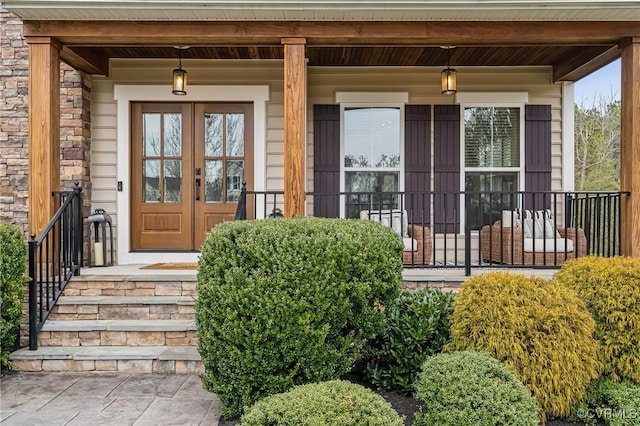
(630, 146)
(294, 125)
(44, 130)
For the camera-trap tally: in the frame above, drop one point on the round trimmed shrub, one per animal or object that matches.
(610, 287)
(617, 403)
(472, 388)
(336, 403)
(539, 328)
(13, 253)
(289, 302)
(416, 326)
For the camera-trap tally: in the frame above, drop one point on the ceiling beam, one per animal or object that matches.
(86, 59)
(95, 33)
(575, 67)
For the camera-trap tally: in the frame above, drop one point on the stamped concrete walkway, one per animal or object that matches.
(94, 399)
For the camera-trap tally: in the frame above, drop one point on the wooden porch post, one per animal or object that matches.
(294, 126)
(630, 146)
(44, 130)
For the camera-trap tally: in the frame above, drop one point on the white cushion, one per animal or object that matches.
(410, 244)
(394, 219)
(540, 245)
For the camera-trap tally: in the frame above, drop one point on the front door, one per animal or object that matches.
(188, 164)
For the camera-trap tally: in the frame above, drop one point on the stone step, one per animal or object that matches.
(124, 308)
(138, 359)
(118, 333)
(141, 285)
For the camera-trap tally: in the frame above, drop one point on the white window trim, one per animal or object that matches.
(124, 95)
(464, 169)
(343, 170)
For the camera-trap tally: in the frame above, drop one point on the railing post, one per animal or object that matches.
(241, 210)
(467, 236)
(78, 232)
(33, 301)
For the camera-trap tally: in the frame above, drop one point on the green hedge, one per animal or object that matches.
(417, 326)
(610, 287)
(472, 389)
(13, 254)
(334, 403)
(288, 302)
(617, 404)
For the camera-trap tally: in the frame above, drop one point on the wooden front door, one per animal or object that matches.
(188, 164)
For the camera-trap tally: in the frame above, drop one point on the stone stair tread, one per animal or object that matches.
(126, 300)
(119, 325)
(79, 353)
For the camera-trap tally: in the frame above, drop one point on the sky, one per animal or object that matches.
(603, 83)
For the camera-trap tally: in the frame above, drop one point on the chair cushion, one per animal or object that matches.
(394, 219)
(540, 245)
(410, 244)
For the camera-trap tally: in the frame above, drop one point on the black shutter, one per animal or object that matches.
(446, 168)
(417, 163)
(537, 155)
(326, 160)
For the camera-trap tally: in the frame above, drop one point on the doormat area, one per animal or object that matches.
(172, 265)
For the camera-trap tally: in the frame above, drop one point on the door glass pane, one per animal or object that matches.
(172, 181)
(372, 137)
(173, 135)
(151, 134)
(235, 135)
(235, 172)
(151, 181)
(213, 181)
(492, 137)
(213, 135)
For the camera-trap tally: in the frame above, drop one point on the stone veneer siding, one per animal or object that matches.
(75, 125)
(75, 132)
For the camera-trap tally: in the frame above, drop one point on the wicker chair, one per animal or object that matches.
(424, 247)
(506, 245)
(416, 238)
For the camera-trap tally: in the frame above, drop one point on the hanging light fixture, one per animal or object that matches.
(449, 84)
(180, 75)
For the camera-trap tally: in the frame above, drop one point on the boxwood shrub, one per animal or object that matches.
(611, 289)
(336, 403)
(539, 328)
(291, 301)
(416, 326)
(13, 253)
(474, 389)
(615, 403)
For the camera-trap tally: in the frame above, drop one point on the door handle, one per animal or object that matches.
(197, 189)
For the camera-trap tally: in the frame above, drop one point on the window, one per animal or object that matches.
(371, 158)
(492, 161)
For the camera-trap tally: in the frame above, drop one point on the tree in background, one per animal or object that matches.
(597, 139)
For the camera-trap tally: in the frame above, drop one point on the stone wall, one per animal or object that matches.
(75, 125)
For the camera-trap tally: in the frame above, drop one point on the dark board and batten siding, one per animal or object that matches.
(417, 163)
(446, 167)
(537, 154)
(326, 159)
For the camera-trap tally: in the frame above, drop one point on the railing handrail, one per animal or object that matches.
(49, 276)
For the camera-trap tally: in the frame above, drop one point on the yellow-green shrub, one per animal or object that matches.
(610, 287)
(540, 329)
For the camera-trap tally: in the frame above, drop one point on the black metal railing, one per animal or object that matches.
(520, 229)
(54, 257)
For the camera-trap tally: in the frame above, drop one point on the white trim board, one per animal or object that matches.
(124, 95)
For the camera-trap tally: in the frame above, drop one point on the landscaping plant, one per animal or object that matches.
(288, 302)
(472, 389)
(416, 326)
(335, 403)
(13, 263)
(610, 287)
(616, 403)
(540, 329)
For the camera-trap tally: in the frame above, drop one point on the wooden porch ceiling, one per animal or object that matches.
(573, 49)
